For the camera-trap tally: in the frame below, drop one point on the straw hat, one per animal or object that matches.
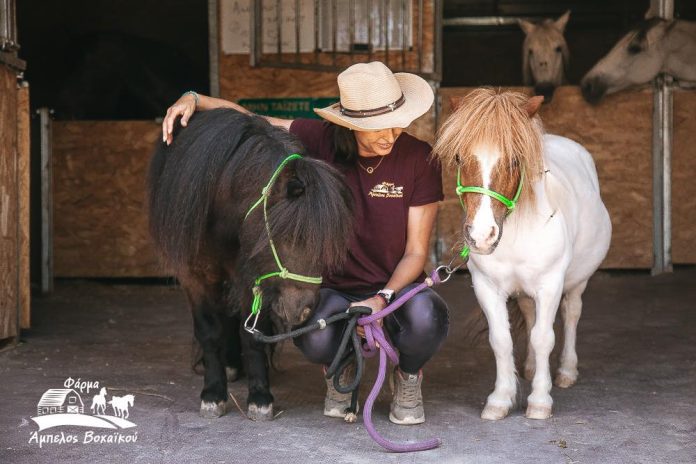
(374, 98)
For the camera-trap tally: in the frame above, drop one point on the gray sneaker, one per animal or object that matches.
(407, 404)
(335, 403)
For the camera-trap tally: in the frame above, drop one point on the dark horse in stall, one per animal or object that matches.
(200, 190)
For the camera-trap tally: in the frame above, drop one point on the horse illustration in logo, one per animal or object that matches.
(99, 402)
(120, 405)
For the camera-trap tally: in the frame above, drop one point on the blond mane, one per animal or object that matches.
(494, 118)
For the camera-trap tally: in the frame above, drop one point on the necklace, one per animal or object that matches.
(371, 169)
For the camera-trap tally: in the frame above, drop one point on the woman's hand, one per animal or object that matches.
(376, 304)
(184, 107)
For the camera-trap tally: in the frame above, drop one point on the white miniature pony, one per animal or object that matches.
(99, 402)
(545, 55)
(544, 190)
(655, 46)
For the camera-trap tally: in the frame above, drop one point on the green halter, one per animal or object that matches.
(510, 204)
(282, 271)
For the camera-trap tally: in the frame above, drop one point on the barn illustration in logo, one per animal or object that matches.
(60, 400)
(64, 406)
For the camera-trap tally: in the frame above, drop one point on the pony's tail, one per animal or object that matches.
(476, 325)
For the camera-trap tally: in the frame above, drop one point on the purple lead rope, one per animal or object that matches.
(375, 336)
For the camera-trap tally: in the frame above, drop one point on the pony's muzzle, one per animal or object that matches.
(482, 240)
(546, 89)
(593, 89)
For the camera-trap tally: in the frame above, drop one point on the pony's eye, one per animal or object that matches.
(295, 188)
(558, 49)
(457, 159)
(530, 52)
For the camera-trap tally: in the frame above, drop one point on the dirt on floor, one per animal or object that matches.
(635, 401)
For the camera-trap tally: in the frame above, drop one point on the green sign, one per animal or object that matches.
(288, 108)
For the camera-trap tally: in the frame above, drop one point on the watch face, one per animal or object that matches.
(387, 294)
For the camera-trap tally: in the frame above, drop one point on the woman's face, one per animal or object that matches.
(377, 143)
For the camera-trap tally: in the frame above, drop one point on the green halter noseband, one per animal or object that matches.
(282, 271)
(510, 204)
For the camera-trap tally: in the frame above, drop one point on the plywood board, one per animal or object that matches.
(9, 240)
(24, 154)
(100, 223)
(684, 178)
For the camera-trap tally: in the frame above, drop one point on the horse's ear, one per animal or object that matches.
(295, 187)
(561, 22)
(533, 105)
(454, 102)
(650, 13)
(527, 26)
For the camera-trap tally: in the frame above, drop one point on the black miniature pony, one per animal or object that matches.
(201, 190)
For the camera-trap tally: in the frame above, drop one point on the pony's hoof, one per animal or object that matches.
(564, 380)
(260, 413)
(351, 417)
(494, 413)
(211, 410)
(538, 411)
(232, 374)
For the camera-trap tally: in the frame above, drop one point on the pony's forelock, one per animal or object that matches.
(493, 118)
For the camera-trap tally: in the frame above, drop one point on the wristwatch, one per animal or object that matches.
(387, 294)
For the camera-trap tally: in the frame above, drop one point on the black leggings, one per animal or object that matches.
(417, 329)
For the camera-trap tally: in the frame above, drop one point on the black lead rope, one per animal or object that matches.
(345, 355)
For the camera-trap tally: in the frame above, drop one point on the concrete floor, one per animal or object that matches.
(635, 400)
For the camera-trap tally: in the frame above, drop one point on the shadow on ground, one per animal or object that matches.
(635, 400)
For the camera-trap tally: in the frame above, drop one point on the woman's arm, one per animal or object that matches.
(420, 225)
(187, 104)
(421, 220)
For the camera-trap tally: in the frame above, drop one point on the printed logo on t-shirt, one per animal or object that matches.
(387, 190)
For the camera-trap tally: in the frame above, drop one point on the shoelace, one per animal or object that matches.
(407, 394)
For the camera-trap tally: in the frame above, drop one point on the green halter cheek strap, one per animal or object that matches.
(282, 271)
(510, 204)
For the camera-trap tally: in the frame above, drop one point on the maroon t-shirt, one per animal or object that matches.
(406, 177)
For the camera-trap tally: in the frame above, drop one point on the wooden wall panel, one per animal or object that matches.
(684, 178)
(100, 224)
(618, 134)
(24, 154)
(9, 239)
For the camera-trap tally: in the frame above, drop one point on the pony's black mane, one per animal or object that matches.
(215, 169)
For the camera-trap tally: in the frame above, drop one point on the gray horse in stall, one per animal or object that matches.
(545, 55)
(655, 46)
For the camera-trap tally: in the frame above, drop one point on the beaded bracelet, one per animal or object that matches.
(191, 92)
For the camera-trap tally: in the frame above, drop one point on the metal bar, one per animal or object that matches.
(420, 35)
(334, 30)
(4, 24)
(256, 33)
(386, 32)
(403, 34)
(316, 31)
(213, 49)
(328, 68)
(351, 25)
(279, 27)
(488, 20)
(368, 8)
(297, 31)
(662, 160)
(46, 201)
(437, 38)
